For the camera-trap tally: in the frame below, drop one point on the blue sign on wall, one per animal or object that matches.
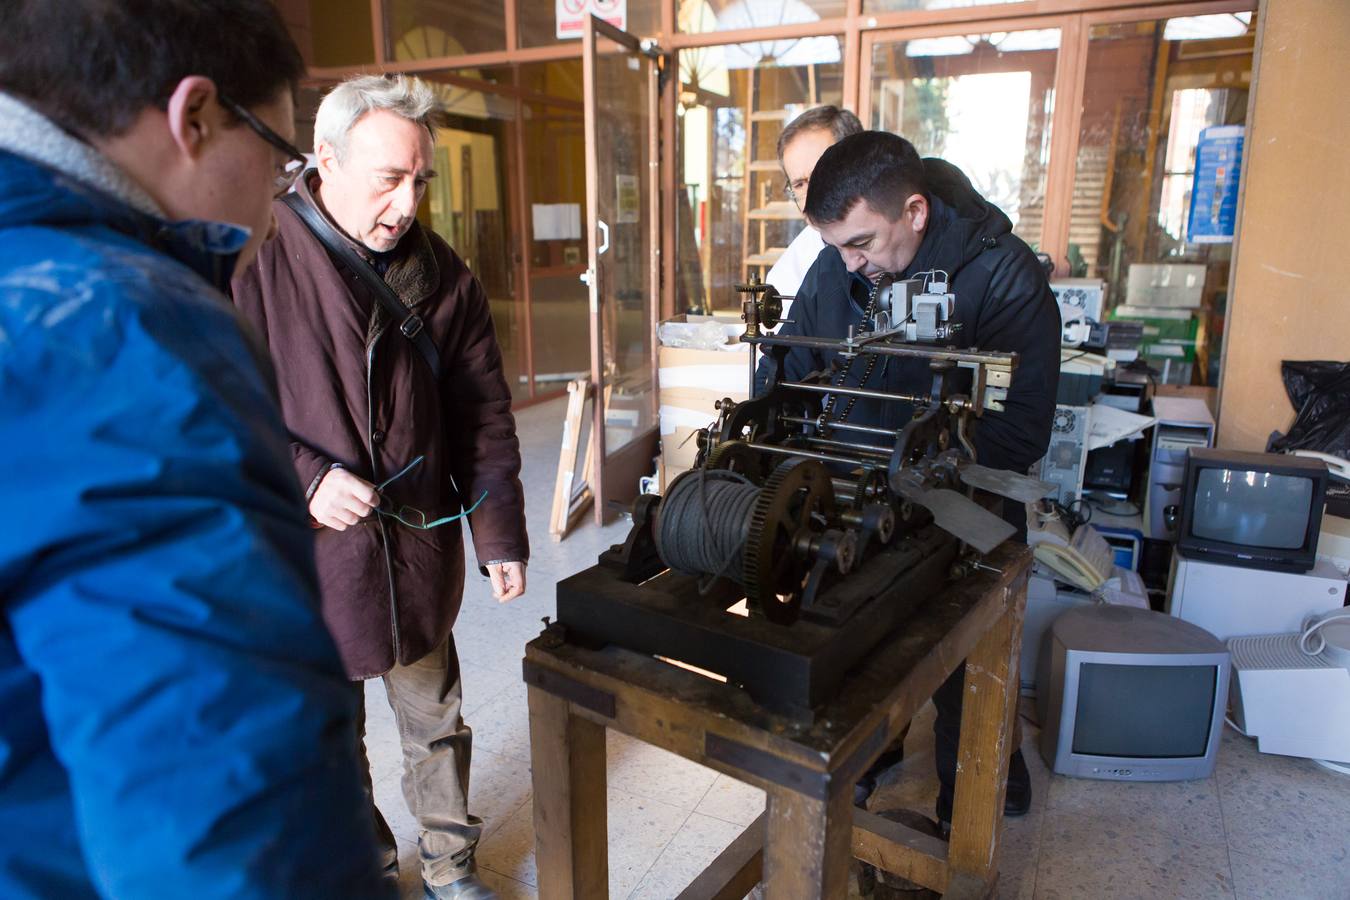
(1214, 195)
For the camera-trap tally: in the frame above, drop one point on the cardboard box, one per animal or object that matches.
(690, 383)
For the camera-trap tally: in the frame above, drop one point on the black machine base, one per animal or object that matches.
(788, 668)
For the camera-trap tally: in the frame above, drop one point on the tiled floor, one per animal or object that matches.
(1262, 827)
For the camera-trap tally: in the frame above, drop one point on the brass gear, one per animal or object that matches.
(773, 571)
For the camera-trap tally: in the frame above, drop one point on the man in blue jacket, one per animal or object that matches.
(174, 721)
(880, 208)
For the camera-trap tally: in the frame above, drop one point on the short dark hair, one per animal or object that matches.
(93, 66)
(882, 168)
(838, 122)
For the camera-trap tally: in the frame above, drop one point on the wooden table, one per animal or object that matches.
(802, 844)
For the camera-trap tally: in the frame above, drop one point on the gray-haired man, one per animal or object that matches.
(391, 386)
(800, 146)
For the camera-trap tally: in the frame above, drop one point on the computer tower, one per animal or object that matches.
(1066, 457)
(1182, 423)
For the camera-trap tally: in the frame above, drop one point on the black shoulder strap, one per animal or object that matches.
(409, 323)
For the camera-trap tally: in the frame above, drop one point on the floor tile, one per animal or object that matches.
(503, 724)
(1256, 878)
(389, 799)
(694, 846)
(498, 786)
(1083, 858)
(1182, 809)
(1287, 809)
(639, 830)
(732, 801)
(647, 771)
(508, 888)
(483, 686)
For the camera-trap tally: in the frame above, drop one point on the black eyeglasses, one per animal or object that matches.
(295, 160)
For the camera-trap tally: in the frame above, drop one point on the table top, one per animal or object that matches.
(894, 681)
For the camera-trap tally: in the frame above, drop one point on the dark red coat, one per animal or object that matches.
(391, 593)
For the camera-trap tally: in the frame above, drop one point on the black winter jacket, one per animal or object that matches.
(1003, 303)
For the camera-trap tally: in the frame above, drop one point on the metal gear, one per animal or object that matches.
(739, 457)
(774, 570)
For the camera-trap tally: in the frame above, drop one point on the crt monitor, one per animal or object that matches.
(1127, 694)
(1259, 510)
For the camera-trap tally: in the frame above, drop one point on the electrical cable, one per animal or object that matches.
(1312, 628)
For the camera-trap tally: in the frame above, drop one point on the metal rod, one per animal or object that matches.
(854, 392)
(844, 445)
(844, 488)
(838, 345)
(846, 426)
(823, 457)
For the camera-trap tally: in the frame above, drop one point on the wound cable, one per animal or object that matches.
(703, 524)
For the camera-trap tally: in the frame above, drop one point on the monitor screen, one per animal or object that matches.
(1251, 508)
(1160, 712)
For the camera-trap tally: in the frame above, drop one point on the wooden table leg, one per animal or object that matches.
(567, 755)
(987, 715)
(806, 845)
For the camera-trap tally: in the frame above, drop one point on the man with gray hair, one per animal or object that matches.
(400, 423)
(800, 145)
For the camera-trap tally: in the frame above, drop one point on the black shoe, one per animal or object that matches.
(867, 784)
(1016, 802)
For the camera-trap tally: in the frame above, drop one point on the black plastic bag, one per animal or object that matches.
(1320, 393)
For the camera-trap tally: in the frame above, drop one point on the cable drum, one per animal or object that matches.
(703, 523)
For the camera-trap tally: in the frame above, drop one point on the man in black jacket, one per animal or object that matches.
(880, 208)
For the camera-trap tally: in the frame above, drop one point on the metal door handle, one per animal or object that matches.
(604, 239)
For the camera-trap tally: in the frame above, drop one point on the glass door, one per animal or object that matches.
(620, 78)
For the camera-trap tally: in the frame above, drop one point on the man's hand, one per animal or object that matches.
(508, 580)
(342, 499)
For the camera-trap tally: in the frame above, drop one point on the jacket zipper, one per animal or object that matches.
(375, 474)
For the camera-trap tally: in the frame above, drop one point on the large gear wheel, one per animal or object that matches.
(774, 572)
(738, 457)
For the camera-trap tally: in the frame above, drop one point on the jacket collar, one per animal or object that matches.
(413, 273)
(50, 177)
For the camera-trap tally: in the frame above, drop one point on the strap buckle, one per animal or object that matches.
(411, 326)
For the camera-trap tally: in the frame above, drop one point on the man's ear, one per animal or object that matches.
(325, 159)
(193, 114)
(917, 207)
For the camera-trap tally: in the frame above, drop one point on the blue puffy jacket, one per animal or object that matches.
(174, 721)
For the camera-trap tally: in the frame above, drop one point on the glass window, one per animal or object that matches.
(429, 29)
(339, 33)
(703, 16)
(885, 6)
(555, 193)
(469, 204)
(731, 213)
(539, 22)
(1148, 220)
(980, 101)
(560, 80)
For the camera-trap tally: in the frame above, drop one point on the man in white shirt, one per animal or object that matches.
(799, 147)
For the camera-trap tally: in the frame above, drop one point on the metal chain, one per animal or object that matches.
(868, 314)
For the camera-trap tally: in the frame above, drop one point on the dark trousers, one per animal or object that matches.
(947, 699)
(947, 734)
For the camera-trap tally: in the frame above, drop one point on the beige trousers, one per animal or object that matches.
(426, 699)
